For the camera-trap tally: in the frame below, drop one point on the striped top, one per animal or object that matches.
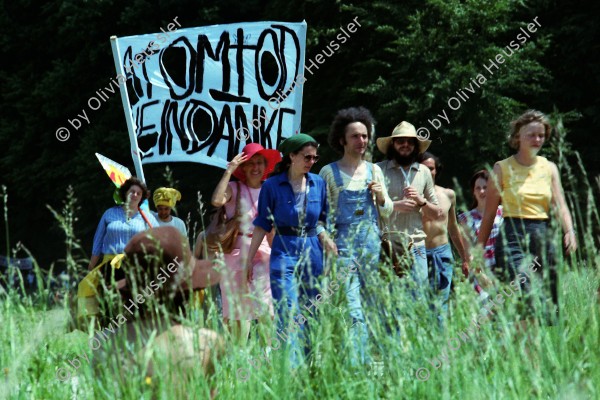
(349, 183)
(472, 219)
(115, 230)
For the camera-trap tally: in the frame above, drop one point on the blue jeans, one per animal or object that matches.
(418, 271)
(440, 261)
(292, 292)
(414, 283)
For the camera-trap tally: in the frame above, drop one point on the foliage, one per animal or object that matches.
(404, 63)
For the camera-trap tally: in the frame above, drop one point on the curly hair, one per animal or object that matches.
(343, 118)
(133, 181)
(528, 117)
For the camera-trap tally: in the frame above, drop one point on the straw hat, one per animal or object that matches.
(403, 129)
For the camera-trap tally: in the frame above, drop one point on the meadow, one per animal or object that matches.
(498, 359)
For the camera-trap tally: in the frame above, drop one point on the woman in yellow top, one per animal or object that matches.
(529, 186)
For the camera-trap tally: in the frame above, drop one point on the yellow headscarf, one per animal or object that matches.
(166, 197)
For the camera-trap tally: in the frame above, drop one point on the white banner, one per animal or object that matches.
(201, 94)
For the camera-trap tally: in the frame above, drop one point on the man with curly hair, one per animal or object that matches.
(355, 190)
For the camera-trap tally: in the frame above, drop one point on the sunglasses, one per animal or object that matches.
(403, 140)
(308, 158)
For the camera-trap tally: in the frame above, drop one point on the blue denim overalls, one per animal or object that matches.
(358, 242)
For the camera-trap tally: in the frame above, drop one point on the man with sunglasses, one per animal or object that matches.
(412, 191)
(355, 189)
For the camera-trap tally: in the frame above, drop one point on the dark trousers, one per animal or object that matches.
(520, 242)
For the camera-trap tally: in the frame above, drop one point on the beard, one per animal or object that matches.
(406, 160)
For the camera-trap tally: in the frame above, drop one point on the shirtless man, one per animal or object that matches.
(439, 253)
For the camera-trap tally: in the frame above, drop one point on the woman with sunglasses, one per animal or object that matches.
(294, 202)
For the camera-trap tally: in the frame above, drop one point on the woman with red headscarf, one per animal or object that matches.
(242, 301)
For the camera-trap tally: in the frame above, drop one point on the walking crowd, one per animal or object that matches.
(295, 229)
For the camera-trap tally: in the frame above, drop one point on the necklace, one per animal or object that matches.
(252, 202)
(296, 184)
(128, 214)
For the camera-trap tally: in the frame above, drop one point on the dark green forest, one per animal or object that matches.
(404, 63)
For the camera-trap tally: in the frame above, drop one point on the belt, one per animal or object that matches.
(544, 220)
(245, 234)
(296, 231)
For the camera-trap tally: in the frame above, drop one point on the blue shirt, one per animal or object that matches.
(276, 207)
(114, 230)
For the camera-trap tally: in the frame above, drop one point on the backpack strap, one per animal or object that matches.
(237, 200)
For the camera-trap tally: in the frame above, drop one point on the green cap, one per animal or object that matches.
(295, 143)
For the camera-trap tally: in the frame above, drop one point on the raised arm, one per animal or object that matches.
(386, 206)
(222, 192)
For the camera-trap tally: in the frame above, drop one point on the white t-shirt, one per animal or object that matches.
(174, 222)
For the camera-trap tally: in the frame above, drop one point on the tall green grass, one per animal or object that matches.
(499, 361)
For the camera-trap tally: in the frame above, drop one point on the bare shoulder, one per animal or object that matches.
(444, 199)
(442, 191)
(450, 193)
(554, 171)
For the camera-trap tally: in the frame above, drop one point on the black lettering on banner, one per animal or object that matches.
(268, 65)
(200, 91)
(147, 133)
(134, 85)
(222, 50)
(181, 62)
